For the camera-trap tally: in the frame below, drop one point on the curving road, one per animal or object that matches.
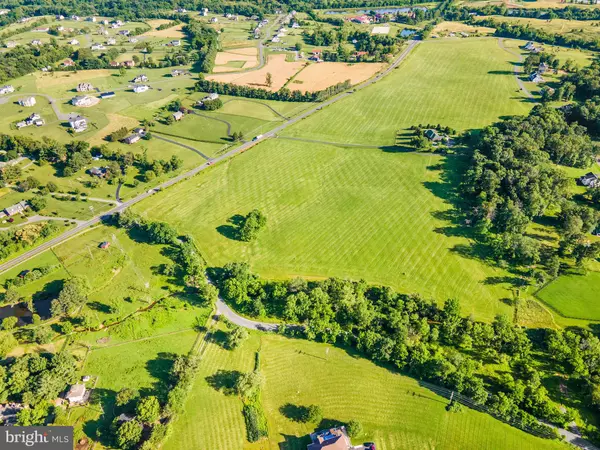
(198, 152)
(60, 115)
(257, 102)
(226, 311)
(516, 69)
(229, 126)
(239, 149)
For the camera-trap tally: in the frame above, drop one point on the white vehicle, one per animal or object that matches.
(256, 138)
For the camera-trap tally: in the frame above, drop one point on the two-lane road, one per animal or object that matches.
(241, 148)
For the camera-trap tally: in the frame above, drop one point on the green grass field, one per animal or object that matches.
(346, 212)
(395, 411)
(463, 84)
(574, 295)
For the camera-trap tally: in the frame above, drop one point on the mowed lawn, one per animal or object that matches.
(395, 411)
(346, 212)
(464, 84)
(574, 295)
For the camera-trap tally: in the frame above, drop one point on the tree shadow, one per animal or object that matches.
(100, 307)
(293, 442)
(159, 368)
(232, 229)
(295, 413)
(224, 381)
(219, 337)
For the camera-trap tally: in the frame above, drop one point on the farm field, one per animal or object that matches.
(462, 83)
(316, 77)
(444, 28)
(346, 212)
(574, 295)
(394, 410)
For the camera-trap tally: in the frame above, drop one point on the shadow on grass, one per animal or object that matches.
(232, 229)
(224, 381)
(295, 413)
(160, 368)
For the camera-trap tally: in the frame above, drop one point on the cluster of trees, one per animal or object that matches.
(35, 380)
(282, 94)
(25, 59)
(251, 224)
(212, 105)
(15, 240)
(410, 333)
(586, 81)
(533, 60)
(205, 41)
(71, 298)
(30, 277)
(168, 25)
(587, 114)
(18, 30)
(567, 13)
(117, 135)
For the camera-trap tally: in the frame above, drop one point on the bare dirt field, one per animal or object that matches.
(115, 121)
(247, 58)
(457, 27)
(322, 75)
(53, 79)
(173, 32)
(280, 70)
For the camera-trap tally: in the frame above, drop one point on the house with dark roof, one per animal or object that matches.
(433, 135)
(535, 77)
(330, 439)
(590, 180)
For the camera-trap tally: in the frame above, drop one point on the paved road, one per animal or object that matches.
(157, 136)
(516, 69)
(224, 310)
(93, 199)
(241, 99)
(239, 149)
(60, 115)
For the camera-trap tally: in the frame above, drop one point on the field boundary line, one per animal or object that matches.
(147, 338)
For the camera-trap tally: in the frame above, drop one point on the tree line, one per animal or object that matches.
(282, 94)
(205, 41)
(410, 334)
(25, 59)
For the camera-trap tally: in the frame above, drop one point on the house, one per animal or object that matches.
(104, 22)
(76, 394)
(204, 12)
(331, 439)
(543, 68)
(73, 42)
(34, 119)
(214, 20)
(140, 131)
(36, 42)
(6, 89)
(181, 10)
(358, 55)
(104, 245)
(535, 77)
(99, 172)
(98, 47)
(295, 25)
(111, 41)
(61, 28)
(91, 19)
(529, 46)
(212, 96)
(177, 115)
(11, 44)
(41, 30)
(177, 72)
(3, 12)
(364, 19)
(59, 17)
(68, 62)
(115, 64)
(124, 418)
(175, 43)
(140, 79)
(84, 87)
(27, 101)
(129, 63)
(109, 94)
(19, 208)
(78, 124)
(590, 180)
(433, 135)
(75, 18)
(83, 101)
(133, 40)
(124, 32)
(131, 139)
(275, 40)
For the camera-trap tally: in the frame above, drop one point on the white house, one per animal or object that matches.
(78, 124)
(75, 18)
(98, 47)
(76, 394)
(214, 20)
(535, 77)
(140, 79)
(177, 115)
(73, 42)
(175, 43)
(34, 119)
(140, 88)
(83, 101)
(85, 87)
(6, 89)
(36, 42)
(204, 12)
(27, 101)
(11, 44)
(174, 73)
(590, 179)
(212, 96)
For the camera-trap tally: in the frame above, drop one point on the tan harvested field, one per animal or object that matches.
(319, 76)
(457, 27)
(173, 32)
(528, 4)
(280, 70)
(115, 121)
(46, 80)
(248, 55)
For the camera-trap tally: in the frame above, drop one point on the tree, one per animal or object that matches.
(9, 323)
(125, 395)
(251, 225)
(148, 409)
(269, 79)
(236, 337)
(51, 186)
(7, 343)
(354, 428)
(149, 175)
(12, 296)
(298, 46)
(43, 335)
(73, 295)
(248, 384)
(314, 414)
(129, 434)
(37, 203)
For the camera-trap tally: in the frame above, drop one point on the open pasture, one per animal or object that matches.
(349, 212)
(574, 295)
(462, 83)
(395, 411)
